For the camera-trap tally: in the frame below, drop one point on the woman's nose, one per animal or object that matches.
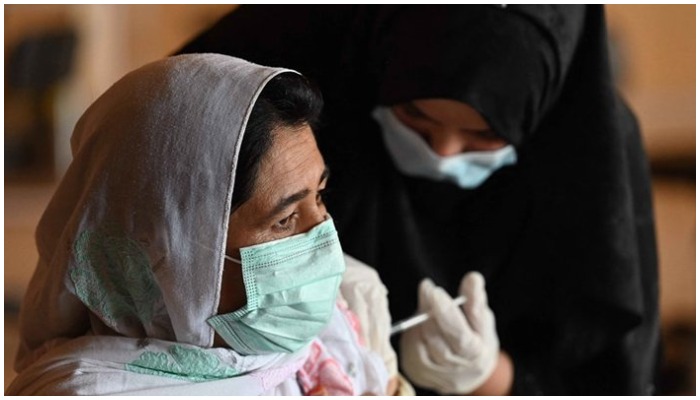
(447, 143)
(316, 217)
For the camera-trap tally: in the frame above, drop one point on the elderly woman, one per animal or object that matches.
(188, 249)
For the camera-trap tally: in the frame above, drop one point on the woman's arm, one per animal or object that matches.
(500, 383)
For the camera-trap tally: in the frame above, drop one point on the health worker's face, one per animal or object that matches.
(286, 200)
(449, 127)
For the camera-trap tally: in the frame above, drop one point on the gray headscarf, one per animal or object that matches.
(132, 243)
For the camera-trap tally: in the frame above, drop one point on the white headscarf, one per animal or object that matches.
(131, 245)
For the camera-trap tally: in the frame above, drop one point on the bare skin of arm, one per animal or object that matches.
(500, 382)
(392, 386)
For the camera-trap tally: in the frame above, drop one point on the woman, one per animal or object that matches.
(182, 256)
(489, 139)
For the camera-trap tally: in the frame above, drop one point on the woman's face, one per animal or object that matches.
(286, 200)
(449, 127)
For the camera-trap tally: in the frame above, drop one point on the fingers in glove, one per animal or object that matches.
(417, 364)
(425, 295)
(446, 353)
(437, 348)
(476, 308)
(448, 323)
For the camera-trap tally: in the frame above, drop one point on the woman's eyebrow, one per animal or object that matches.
(287, 201)
(295, 197)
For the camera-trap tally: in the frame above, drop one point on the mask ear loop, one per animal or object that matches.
(237, 261)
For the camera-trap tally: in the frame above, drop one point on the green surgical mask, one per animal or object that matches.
(291, 286)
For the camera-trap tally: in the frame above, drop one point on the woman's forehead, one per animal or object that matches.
(293, 163)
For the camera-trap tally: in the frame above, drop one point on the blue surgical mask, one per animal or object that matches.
(291, 286)
(414, 157)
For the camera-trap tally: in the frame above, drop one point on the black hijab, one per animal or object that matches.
(565, 238)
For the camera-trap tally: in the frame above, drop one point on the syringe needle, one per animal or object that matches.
(420, 318)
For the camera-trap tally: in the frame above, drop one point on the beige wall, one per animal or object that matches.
(657, 45)
(661, 41)
(112, 40)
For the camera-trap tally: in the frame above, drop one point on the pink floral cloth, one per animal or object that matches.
(322, 375)
(332, 373)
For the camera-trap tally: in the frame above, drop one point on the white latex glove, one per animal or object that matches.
(366, 296)
(457, 349)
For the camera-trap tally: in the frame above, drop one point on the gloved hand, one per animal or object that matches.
(457, 349)
(366, 296)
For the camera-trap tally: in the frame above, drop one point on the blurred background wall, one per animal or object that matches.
(59, 58)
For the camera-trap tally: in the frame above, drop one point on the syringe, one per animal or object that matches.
(420, 318)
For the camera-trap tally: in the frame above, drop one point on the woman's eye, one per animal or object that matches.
(412, 111)
(286, 223)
